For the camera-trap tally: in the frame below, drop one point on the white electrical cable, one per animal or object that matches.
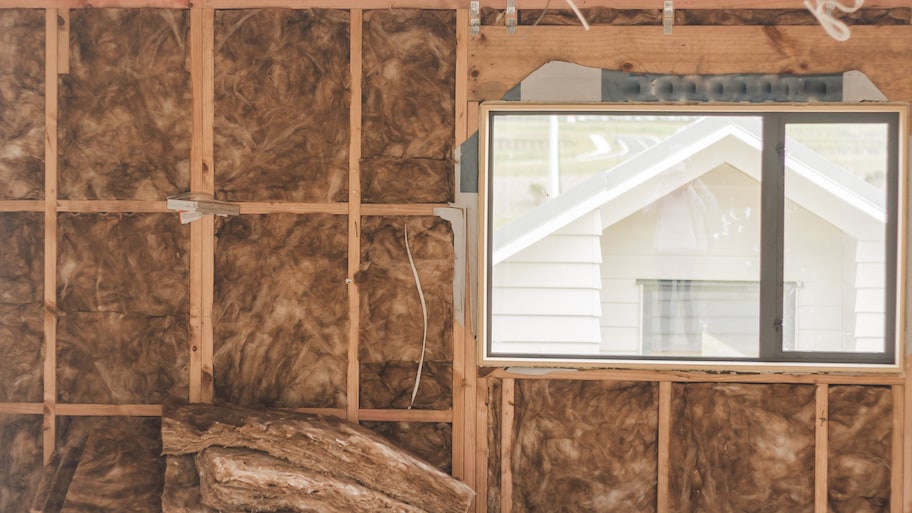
(424, 312)
(823, 11)
(580, 15)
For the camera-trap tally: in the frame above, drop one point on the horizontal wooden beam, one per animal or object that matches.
(113, 206)
(22, 206)
(404, 209)
(273, 207)
(405, 415)
(248, 207)
(109, 410)
(154, 410)
(698, 377)
(498, 60)
(21, 408)
(427, 4)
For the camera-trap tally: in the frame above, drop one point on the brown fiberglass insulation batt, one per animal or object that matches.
(21, 103)
(125, 107)
(21, 306)
(121, 468)
(282, 98)
(584, 446)
(181, 492)
(280, 311)
(392, 324)
(20, 460)
(408, 111)
(430, 441)
(240, 480)
(860, 444)
(341, 451)
(390, 385)
(123, 304)
(737, 447)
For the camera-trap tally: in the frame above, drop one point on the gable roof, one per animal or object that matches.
(815, 183)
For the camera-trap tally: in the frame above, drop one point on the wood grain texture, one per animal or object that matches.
(280, 312)
(735, 447)
(125, 107)
(408, 111)
(353, 378)
(123, 302)
(875, 50)
(821, 448)
(282, 91)
(771, 17)
(392, 323)
(21, 305)
(120, 469)
(493, 433)
(585, 446)
(20, 461)
(326, 445)
(860, 446)
(430, 441)
(21, 104)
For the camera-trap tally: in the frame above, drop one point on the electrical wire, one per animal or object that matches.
(823, 11)
(424, 312)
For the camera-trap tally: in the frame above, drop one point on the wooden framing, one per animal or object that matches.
(202, 234)
(821, 447)
(486, 67)
(703, 377)
(507, 416)
(494, 67)
(50, 235)
(463, 379)
(482, 453)
(353, 394)
(21, 205)
(664, 443)
(426, 4)
(897, 467)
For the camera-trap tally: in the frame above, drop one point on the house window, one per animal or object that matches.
(706, 318)
(622, 235)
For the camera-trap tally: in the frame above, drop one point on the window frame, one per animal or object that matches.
(772, 355)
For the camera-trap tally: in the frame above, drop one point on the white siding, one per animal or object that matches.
(629, 254)
(545, 298)
(822, 258)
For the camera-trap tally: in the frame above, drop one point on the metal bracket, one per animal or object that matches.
(511, 16)
(668, 16)
(475, 18)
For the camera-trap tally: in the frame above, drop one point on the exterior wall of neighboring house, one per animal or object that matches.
(636, 248)
(546, 297)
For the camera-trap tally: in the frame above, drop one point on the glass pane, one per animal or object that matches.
(625, 235)
(835, 235)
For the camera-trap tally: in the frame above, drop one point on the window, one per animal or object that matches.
(632, 234)
(704, 317)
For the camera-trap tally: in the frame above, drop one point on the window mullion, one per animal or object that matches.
(772, 224)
